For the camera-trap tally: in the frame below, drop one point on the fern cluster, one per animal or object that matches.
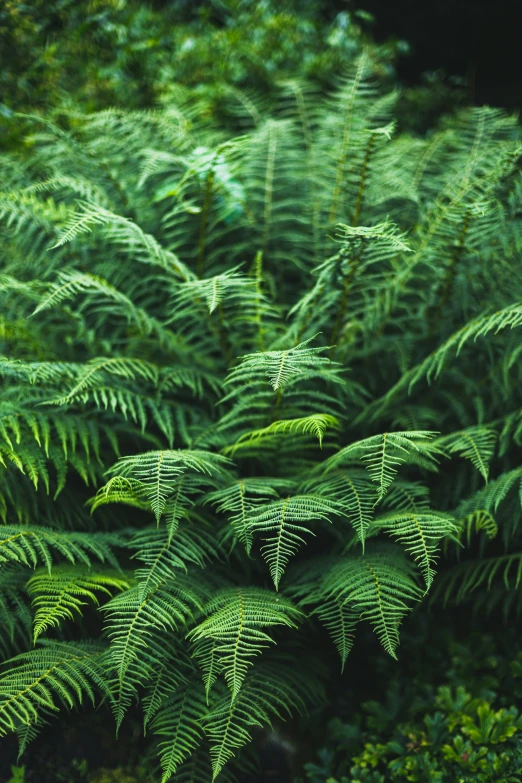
(279, 370)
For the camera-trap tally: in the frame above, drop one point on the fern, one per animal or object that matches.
(381, 455)
(179, 720)
(53, 673)
(378, 588)
(59, 595)
(223, 334)
(284, 521)
(159, 472)
(234, 624)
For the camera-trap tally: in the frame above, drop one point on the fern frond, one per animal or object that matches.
(353, 493)
(281, 526)
(240, 500)
(71, 283)
(419, 533)
(163, 552)
(34, 545)
(475, 522)
(340, 620)
(124, 231)
(179, 721)
(315, 425)
(234, 621)
(475, 443)
(60, 594)
(159, 471)
(228, 723)
(54, 673)
(382, 455)
(283, 366)
(136, 621)
(378, 588)
(459, 582)
(15, 615)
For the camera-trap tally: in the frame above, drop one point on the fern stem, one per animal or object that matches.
(209, 185)
(258, 268)
(269, 189)
(343, 304)
(362, 180)
(343, 156)
(449, 280)
(277, 404)
(354, 263)
(310, 165)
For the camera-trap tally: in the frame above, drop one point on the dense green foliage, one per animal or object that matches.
(465, 729)
(279, 369)
(96, 53)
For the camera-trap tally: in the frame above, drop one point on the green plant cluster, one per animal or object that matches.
(99, 53)
(463, 730)
(462, 739)
(256, 386)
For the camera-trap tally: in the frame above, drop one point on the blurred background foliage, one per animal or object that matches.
(93, 54)
(126, 52)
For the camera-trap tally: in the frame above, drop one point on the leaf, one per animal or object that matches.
(383, 454)
(60, 594)
(316, 424)
(159, 471)
(179, 723)
(281, 525)
(377, 587)
(419, 533)
(475, 443)
(54, 673)
(234, 621)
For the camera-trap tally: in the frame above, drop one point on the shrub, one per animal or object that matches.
(464, 729)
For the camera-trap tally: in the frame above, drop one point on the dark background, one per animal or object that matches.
(475, 39)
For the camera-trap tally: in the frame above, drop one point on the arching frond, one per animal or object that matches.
(382, 455)
(60, 594)
(315, 425)
(54, 673)
(34, 545)
(281, 525)
(378, 588)
(462, 580)
(136, 622)
(280, 367)
(179, 724)
(352, 492)
(419, 533)
(230, 719)
(476, 444)
(159, 471)
(240, 500)
(234, 621)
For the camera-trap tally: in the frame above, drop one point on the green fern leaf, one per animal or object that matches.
(315, 425)
(158, 472)
(234, 622)
(382, 455)
(475, 443)
(178, 723)
(419, 534)
(62, 593)
(378, 588)
(54, 673)
(281, 526)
